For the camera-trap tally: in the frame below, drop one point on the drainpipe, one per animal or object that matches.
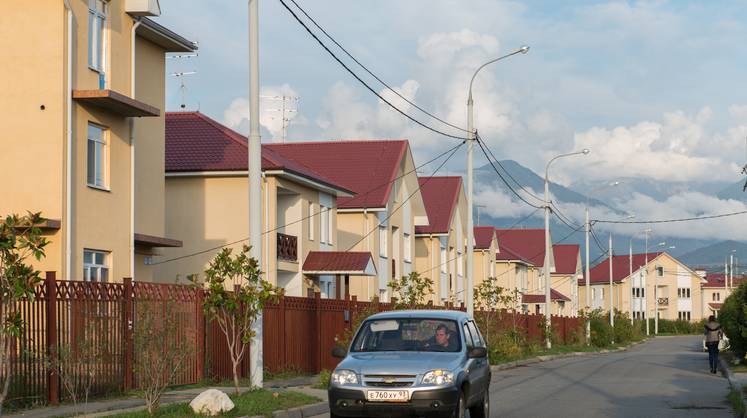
(69, 147)
(132, 154)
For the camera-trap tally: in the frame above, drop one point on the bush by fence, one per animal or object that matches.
(733, 319)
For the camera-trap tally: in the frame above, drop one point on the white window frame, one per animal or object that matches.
(94, 270)
(444, 257)
(407, 247)
(101, 151)
(715, 297)
(330, 225)
(311, 221)
(383, 232)
(324, 231)
(97, 39)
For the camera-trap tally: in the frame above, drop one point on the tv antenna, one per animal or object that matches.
(744, 171)
(182, 86)
(288, 104)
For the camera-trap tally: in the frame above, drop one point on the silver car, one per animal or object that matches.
(413, 363)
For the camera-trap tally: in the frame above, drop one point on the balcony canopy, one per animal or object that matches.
(354, 263)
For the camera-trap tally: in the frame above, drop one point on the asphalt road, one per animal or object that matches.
(665, 377)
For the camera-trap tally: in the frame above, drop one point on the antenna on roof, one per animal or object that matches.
(744, 171)
(182, 86)
(478, 213)
(288, 104)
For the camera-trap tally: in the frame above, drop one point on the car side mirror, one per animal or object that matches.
(477, 352)
(339, 352)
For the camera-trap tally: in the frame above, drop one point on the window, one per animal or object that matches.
(716, 297)
(311, 221)
(382, 241)
(408, 247)
(660, 271)
(97, 156)
(95, 266)
(96, 39)
(468, 338)
(330, 225)
(443, 258)
(683, 315)
(324, 233)
(683, 293)
(476, 337)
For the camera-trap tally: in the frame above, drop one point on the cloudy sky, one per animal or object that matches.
(654, 88)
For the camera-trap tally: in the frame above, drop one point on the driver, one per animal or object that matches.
(440, 341)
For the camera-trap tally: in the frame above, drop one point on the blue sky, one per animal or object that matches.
(655, 88)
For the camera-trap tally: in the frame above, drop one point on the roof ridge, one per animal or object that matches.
(230, 133)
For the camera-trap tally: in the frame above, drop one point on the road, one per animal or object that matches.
(664, 377)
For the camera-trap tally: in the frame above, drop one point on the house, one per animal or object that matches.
(485, 249)
(678, 294)
(568, 271)
(386, 207)
(520, 264)
(84, 131)
(440, 245)
(715, 290)
(207, 206)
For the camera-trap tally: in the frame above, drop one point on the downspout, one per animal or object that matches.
(132, 154)
(69, 145)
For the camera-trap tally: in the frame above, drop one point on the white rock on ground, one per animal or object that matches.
(211, 402)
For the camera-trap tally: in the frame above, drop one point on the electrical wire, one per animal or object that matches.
(311, 19)
(661, 221)
(508, 173)
(366, 85)
(479, 143)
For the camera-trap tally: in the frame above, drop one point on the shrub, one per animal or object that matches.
(601, 330)
(679, 326)
(733, 318)
(324, 377)
(624, 331)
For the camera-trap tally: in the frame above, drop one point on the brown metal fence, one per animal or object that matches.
(298, 334)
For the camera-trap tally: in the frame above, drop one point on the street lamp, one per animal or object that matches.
(470, 175)
(548, 245)
(646, 232)
(587, 228)
(612, 292)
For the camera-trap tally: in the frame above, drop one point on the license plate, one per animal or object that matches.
(388, 396)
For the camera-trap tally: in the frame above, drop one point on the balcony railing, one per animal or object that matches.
(287, 247)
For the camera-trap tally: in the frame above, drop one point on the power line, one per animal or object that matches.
(479, 142)
(661, 221)
(371, 73)
(508, 173)
(357, 77)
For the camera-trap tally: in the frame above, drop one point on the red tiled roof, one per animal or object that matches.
(483, 236)
(521, 244)
(715, 280)
(566, 258)
(340, 262)
(715, 306)
(195, 142)
(554, 295)
(368, 168)
(440, 195)
(620, 268)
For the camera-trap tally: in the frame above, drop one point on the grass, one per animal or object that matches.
(556, 349)
(257, 402)
(737, 402)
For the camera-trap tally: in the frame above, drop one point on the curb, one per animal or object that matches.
(302, 412)
(733, 382)
(542, 359)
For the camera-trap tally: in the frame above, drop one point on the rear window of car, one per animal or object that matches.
(407, 334)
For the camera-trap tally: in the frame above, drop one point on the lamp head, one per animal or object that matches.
(586, 151)
(524, 49)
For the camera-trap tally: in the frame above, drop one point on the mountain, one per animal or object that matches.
(734, 191)
(656, 189)
(713, 256)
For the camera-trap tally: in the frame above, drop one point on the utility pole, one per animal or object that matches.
(284, 111)
(254, 168)
(731, 269)
(632, 281)
(612, 305)
(588, 277)
(645, 283)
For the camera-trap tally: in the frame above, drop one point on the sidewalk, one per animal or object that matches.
(111, 406)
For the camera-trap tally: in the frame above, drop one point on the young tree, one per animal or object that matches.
(488, 298)
(235, 311)
(161, 349)
(411, 290)
(20, 239)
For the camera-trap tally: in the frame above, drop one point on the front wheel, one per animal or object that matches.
(461, 409)
(482, 409)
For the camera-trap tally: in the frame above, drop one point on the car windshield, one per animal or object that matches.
(408, 334)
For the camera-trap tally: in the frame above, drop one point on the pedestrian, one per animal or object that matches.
(713, 336)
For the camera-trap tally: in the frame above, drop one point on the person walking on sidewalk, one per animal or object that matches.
(713, 336)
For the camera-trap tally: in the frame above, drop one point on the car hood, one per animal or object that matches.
(395, 362)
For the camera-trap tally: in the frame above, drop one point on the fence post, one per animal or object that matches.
(318, 336)
(128, 324)
(282, 342)
(53, 390)
(200, 318)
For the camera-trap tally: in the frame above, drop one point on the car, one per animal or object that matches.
(722, 345)
(430, 363)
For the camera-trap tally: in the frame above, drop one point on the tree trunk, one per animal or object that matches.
(235, 375)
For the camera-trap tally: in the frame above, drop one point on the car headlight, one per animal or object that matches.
(438, 377)
(344, 377)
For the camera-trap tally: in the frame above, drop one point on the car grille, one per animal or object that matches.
(389, 380)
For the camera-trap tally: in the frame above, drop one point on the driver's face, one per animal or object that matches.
(442, 337)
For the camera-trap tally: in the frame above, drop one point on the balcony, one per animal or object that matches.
(287, 247)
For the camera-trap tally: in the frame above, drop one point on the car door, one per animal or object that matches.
(473, 367)
(483, 365)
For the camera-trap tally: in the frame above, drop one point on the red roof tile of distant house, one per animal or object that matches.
(440, 195)
(521, 244)
(566, 258)
(554, 295)
(716, 280)
(339, 262)
(483, 236)
(620, 268)
(197, 143)
(368, 168)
